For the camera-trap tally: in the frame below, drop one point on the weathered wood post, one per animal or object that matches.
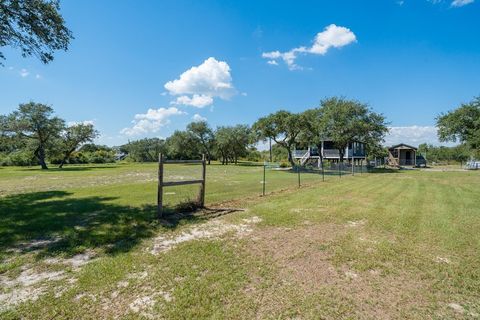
(201, 199)
(160, 187)
(264, 173)
(323, 172)
(298, 172)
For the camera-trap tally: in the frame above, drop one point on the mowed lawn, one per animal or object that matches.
(84, 243)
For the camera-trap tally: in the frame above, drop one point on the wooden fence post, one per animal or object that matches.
(298, 172)
(202, 185)
(160, 187)
(264, 170)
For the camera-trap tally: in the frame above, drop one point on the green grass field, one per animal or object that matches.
(83, 242)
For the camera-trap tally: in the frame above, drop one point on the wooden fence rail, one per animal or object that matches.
(162, 184)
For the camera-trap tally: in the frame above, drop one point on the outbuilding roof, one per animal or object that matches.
(402, 146)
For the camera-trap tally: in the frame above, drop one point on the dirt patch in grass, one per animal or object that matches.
(210, 230)
(304, 261)
(33, 282)
(28, 286)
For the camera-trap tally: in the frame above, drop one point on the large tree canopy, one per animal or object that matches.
(144, 150)
(35, 27)
(283, 127)
(34, 124)
(313, 129)
(73, 137)
(232, 142)
(345, 121)
(461, 124)
(204, 136)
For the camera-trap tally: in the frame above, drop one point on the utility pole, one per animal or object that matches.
(270, 142)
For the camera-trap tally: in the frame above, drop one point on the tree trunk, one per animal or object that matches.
(342, 154)
(67, 155)
(290, 157)
(62, 163)
(40, 154)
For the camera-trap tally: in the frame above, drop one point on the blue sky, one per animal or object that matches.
(146, 68)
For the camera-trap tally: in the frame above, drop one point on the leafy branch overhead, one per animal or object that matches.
(35, 27)
(461, 124)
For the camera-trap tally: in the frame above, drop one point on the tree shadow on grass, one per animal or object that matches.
(54, 223)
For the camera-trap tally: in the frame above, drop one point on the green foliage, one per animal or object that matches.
(33, 131)
(461, 124)
(284, 164)
(92, 147)
(101, 156)
(73, 137)
(283, 127)
(231, 143)
(36, 28)
(204, 136)
(144, 150)
(84, 157)
(182, 145)
(344, 121)
(442, 154)
(279, 154)
(17, 158)
(35, 126)
(254, 155)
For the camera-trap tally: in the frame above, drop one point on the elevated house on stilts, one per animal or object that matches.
(355, 153)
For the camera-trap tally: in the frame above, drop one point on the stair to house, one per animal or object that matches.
(305, 157)
(392, 161)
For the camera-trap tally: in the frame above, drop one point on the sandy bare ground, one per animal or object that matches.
(213, 229)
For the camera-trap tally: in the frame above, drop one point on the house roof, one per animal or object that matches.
(402, 146)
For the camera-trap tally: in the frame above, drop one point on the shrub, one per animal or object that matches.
(18, 158)
(254, 156)
(285, 165)
(101, 156)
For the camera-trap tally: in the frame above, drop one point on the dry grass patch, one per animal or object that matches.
(305, 264)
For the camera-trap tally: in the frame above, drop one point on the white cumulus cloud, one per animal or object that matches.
(196, 100)
(199, 85)
(332, 36)
(197, 118)
(461, 3)
(413, 135)
(85, 122)
(151, 121)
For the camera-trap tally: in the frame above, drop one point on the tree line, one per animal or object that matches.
(227, 144)
(34, 135)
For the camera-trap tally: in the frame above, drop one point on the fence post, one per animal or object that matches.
(160, 187)
(263, 184)
(298, 172)
(323, 172)
(202, 186)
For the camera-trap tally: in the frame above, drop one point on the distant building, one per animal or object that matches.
(402, 155)
(355, 151)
